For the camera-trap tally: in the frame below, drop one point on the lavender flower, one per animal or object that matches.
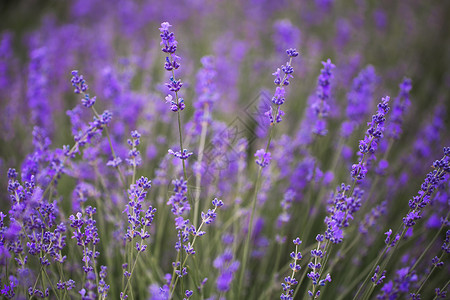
(134, 156)
(290, 281)
(139, 220)
(399, 107)
(369, 144)
(359, 100)
(432, 180)
(263, 158)
(279, 96)
(227, 266)
(84, 134)
(321, 106)
(285, 34)
(38, 89)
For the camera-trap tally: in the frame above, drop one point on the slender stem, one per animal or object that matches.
(122, 178)
(187, 255)
(443, 289)
(132, 270)
(428, 275)
(198, 175)
(429, 245)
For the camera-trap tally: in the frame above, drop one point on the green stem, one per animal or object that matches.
(429, 245)
(428, 275)
(443, 289)
(198, 175)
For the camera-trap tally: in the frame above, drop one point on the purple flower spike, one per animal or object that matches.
(281, 81)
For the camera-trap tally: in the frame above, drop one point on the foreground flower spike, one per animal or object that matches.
(431, 182)
(279, 96)
(139, 220)
(290, 281)
(321, 106)
(346, 201)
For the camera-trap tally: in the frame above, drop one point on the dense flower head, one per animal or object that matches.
(139, 219)
(341, 210)
(167, 38)
(178, 200)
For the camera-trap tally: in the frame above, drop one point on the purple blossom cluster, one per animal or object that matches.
(139, 220)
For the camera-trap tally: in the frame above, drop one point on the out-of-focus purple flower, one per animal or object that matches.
(206, 90)
(427, 137)
(359, 100)
(321, 105)
(399, 107)
(263, 158)
(286, 35)
(227, 266)
(401, 284)
(38, 89)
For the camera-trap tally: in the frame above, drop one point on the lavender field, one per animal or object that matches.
(249, 149)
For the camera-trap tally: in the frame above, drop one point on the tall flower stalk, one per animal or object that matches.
(345, 201)
(263, 155)
(176, 105)
(416, 205)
